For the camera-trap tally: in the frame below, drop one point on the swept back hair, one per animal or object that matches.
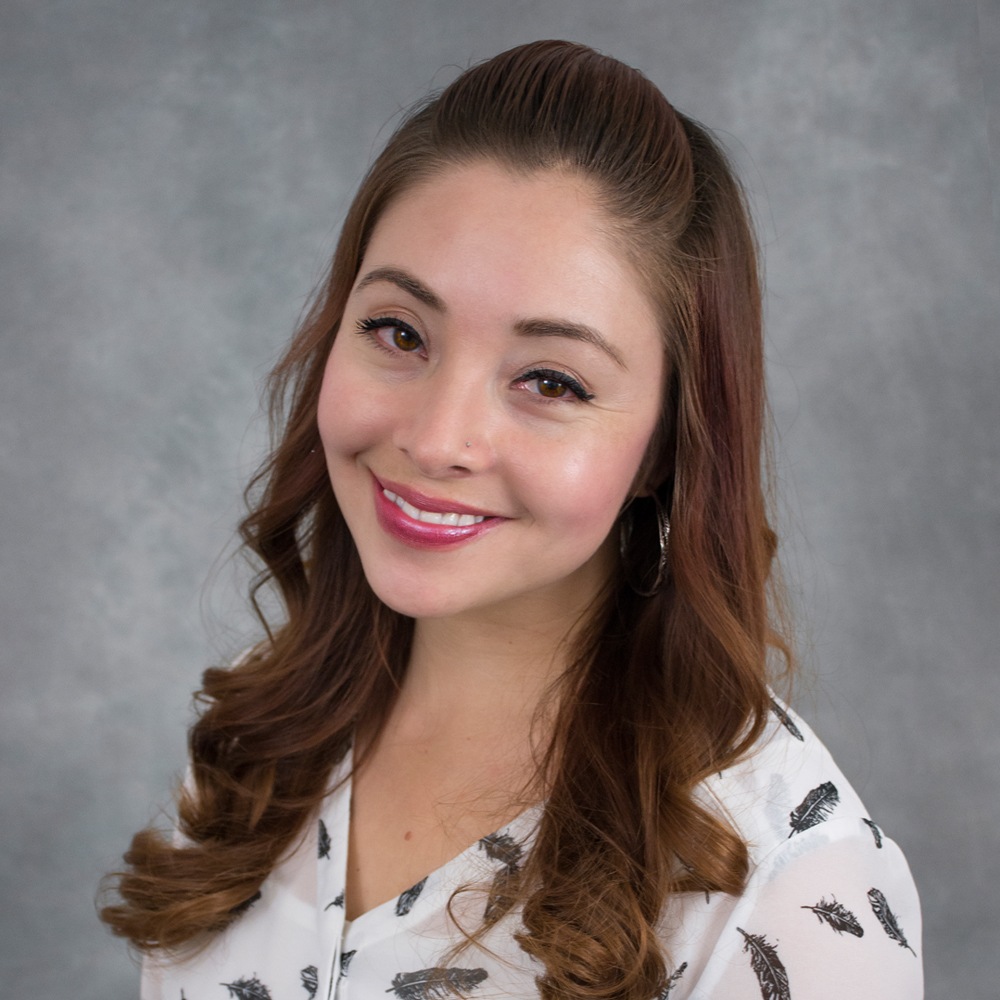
(661, 691)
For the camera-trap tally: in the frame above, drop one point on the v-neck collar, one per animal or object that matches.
(475, 864)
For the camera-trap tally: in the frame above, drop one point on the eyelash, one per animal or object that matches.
(560, 377)
(369, 327)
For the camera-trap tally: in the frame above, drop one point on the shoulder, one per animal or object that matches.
(830, 908)
(786, 787)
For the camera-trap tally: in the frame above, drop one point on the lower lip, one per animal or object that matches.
(420, 534)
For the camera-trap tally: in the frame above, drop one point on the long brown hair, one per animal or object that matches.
(662, 690)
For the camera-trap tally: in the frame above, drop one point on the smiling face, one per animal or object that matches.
(499, 364)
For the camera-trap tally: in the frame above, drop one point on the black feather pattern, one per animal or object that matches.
(771, 975)
(345, 960)
(502, 847)
(690, 870)
(247, 989)
(880, 907)
(838, 916)
(339, 901)
(505, 849)
(406, 899)
(499, 900)
(672, 981)
(814, 808)
(323, 840)
(435, 984)
(310, 980)
(246, 904)
(786, 720)
(876, 833)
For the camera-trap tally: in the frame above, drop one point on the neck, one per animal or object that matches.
(488, 671)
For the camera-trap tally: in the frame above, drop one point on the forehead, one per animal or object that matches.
(524, 243)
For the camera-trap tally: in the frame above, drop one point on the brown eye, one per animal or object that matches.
(405, 340)
(554, 385)
(551, 388)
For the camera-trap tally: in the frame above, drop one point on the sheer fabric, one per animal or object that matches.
(830, 909)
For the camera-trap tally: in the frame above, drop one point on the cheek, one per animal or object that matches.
(581, 491)
(350, 413)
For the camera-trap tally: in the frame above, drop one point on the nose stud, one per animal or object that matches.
(468, 444)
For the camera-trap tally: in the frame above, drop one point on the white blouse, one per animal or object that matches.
(830, 909)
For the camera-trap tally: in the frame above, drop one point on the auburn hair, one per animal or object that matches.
(661, 691)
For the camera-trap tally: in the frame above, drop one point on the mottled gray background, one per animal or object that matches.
(173, 176)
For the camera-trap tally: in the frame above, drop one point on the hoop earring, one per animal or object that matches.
(626, 530)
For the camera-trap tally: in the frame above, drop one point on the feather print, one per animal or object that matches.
(838, 916)
(339, 901)
(501, 847)
(498, 902)
(435, 984)
(771, 975)
(814, 808)
(876, 832)
(345, 960)
(672, 981)
(246, 904)
(690, 870)
(310, 980)
(247, 989)
(323, 841)
(880, 907)
(786, 721)
(406, 899)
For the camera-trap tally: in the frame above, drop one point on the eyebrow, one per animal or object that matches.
(573, 331)
(406, 282)
(524, 327)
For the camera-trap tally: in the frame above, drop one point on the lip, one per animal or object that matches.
(420, 534)
(435, 505)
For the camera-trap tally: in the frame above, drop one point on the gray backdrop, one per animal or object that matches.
(173, 177)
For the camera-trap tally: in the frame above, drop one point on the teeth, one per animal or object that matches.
(433, 517)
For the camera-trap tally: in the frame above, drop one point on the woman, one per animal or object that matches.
(516, 517)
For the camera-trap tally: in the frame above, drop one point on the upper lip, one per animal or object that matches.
(435, 505)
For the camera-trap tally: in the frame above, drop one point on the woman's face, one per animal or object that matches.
(490, 395)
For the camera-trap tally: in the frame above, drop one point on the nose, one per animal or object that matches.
(447, 431)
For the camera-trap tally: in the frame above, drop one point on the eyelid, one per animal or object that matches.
(370, 325)
(578, 391)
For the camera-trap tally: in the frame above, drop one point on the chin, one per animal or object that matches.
(419, 600)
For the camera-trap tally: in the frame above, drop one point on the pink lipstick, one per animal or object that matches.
(400, 514)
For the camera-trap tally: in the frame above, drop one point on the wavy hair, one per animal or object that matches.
(661, 692)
